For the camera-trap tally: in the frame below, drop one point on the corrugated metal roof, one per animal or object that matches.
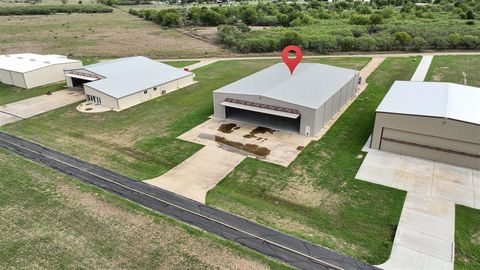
(25, 62)
(436, 99)
(311, 85)
(126, 76)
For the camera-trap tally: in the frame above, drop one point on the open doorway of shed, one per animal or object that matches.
(263, 119)
(78, 83)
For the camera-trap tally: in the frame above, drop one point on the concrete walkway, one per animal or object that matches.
(422, 69)
(194, 177)
(202, 63)
(33, 106)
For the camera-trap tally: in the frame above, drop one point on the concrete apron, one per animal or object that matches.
(425, 233)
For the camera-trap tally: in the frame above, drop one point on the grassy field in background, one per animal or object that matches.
(467, 238)
(180, 64)
(317, 197)
(51, 221)
(140, 142)
(451, 68)
(105, 35)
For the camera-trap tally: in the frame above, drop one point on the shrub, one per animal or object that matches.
(359, 19)
(290, 38)
(376, 19)
(403, 38)
(419, 43)
(52, 9)
(366, 44)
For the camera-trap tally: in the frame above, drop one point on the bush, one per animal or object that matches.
(323, 44)
(359, 20)
(419, 43)
(366, 44)
(290, 38)
(403, 38)
(52, 9)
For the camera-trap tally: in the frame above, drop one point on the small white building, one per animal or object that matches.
(29, 70)
(122, 83)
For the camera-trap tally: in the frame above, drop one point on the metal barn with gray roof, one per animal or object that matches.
(125, 82)
(433, 120)
(302, 102)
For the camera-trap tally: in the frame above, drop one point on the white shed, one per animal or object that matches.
(125, 82)
(30, 70)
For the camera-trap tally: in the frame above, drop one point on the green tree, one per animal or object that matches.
(403, 38)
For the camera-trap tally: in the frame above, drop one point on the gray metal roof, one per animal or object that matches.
(25, 62)
(311, 85)
(436, 99)
(126, 76)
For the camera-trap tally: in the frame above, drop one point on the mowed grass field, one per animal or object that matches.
(51, 221)
(317, 196)
(452, 68)
(140, 142)
(467, 238)
(104, 35)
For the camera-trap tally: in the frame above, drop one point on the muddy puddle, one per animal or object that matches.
(228, 128)
(251, 148)
(259, 130)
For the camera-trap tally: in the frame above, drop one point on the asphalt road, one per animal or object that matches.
(277, 245)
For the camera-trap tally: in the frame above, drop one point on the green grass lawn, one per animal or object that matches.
(451, 68)
(51, 221)
(180, 64)
(467, 238)
(9, 93)
(317, 197)
(140, 142)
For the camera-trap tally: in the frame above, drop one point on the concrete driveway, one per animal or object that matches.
(425, 236)
(33, 106)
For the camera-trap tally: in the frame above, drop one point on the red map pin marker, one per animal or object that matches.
(292, 62)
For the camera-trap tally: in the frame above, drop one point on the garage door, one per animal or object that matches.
(263, 119)
(445, 150)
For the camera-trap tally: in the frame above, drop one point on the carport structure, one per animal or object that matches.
(303, 102)
(432, 120)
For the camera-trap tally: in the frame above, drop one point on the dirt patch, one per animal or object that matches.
(251, 148)
(228, 128)
(259, 130)
(300, 148)
(475, 239)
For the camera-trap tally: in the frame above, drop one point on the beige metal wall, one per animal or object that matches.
(452, 136)
(137, 98)
(107, 101)
(18, 79)
(49, 74)
(5, 77)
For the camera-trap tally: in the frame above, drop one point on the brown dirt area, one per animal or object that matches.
(105, 35)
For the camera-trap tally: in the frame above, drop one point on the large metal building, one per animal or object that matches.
(125, 82)
(303, 102)
(29, 70)
(432, 120)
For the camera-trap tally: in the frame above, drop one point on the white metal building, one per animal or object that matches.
(122, 83)
(303, 102)
(28, 70)
(433, 120)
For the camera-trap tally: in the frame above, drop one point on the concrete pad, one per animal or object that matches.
(376, 173)
(417, 165)
(456, 193)
(430, 205)
(403, 258)
(8, 118)
(413, 182)
(366, 147)
(44, 103)
(427, 224)
(194, 177)
(284, 146)
(454, 174)
(426, 244)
